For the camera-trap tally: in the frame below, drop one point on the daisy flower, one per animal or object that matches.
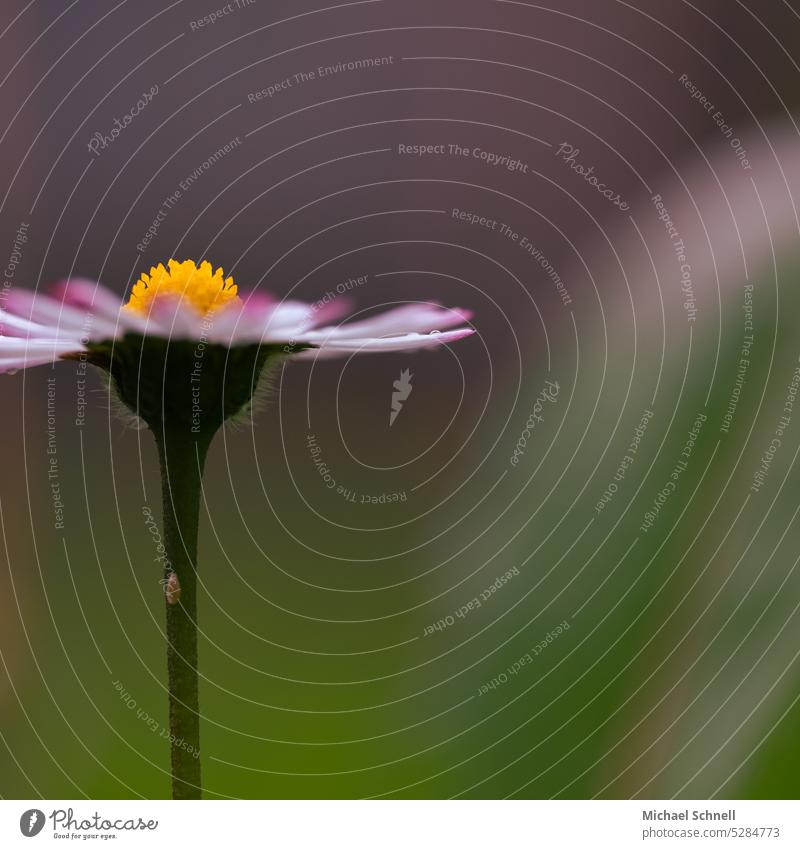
(185, 353)
(184, 301)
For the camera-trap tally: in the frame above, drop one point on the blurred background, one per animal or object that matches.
(569, 567)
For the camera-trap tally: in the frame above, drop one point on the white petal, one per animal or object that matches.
(14, 344)
(330, 311)
(416, 318)
(262, 320)
(25, 353)
(406, 342)
(173, 317)
(56, 315)
(288, 316)
(13, 325)
(242, 322)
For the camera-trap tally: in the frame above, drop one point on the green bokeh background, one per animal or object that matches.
(677, 676)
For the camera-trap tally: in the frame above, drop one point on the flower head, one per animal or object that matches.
(186, 301)
(188, 324)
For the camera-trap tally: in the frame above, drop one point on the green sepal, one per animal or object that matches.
(185, 386)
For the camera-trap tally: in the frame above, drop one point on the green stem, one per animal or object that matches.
(182, 460)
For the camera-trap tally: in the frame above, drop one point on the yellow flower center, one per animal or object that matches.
(204, 289)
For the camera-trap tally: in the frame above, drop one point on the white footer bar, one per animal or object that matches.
(402, 824)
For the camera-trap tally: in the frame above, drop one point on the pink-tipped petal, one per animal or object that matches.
(411, 318)
(405, 342)
(88, 295)
(104, 307)
(326, 313)
(57, 316)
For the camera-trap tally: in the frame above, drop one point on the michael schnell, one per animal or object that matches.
(655, 814)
